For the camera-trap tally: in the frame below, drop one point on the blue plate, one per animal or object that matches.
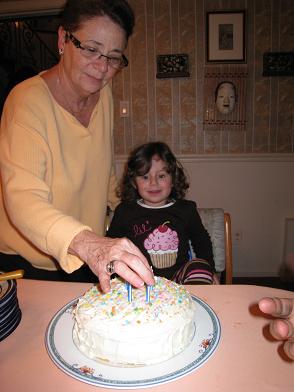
(8, 316)
(13, 323)
(7, 292)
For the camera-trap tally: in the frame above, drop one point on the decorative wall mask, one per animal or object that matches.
(225, 97)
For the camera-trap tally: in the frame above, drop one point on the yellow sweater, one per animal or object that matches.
(57, 176)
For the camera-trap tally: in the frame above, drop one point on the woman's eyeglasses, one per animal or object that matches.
(90, 50)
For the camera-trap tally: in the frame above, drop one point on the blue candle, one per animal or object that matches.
(190, 254)
(129, 286)
(148, 288)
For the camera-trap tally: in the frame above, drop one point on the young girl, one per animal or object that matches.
(161, 223)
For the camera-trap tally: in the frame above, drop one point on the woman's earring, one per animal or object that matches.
(61, 51)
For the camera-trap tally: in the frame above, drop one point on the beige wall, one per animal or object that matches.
(250, 173)
(172, 109)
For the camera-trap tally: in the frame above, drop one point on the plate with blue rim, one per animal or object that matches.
(10, 313)
(7, 292)
(66, 356)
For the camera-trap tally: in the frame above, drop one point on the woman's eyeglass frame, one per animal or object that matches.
(93, 53)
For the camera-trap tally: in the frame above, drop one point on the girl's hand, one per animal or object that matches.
(100, 252)
(281, 328)
(215, 279)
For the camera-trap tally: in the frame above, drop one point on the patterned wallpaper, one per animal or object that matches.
(172, 109)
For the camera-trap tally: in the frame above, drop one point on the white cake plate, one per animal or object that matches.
(68, 358)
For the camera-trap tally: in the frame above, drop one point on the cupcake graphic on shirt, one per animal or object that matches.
(162, 246)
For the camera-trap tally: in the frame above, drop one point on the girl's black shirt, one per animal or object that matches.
(137, 221)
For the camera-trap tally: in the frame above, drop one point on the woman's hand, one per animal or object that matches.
(98, 252)
(281, 328)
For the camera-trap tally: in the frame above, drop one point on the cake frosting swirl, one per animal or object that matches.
(110, 328)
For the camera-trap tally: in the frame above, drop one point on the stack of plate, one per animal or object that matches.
(10, 313)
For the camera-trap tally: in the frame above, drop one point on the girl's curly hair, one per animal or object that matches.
(139, 163)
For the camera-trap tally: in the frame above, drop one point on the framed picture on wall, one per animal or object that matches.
(172, 66)
(278, 64)
(225, 37)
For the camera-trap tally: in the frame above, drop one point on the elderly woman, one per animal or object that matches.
(56, 155)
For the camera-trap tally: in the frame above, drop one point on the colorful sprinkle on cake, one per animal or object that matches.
(109, 327)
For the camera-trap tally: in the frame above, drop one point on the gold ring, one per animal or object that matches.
(110, 267)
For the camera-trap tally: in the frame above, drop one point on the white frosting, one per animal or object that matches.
(107, 327)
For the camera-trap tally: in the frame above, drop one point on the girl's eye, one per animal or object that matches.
(162, 176)
(145, 177)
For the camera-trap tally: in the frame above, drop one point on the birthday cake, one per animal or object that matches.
(111, 328)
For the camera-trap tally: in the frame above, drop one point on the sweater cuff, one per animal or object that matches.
(59, 238)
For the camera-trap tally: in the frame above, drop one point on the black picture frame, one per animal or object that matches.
(225, 37)
(278, 64)
(172, 66)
